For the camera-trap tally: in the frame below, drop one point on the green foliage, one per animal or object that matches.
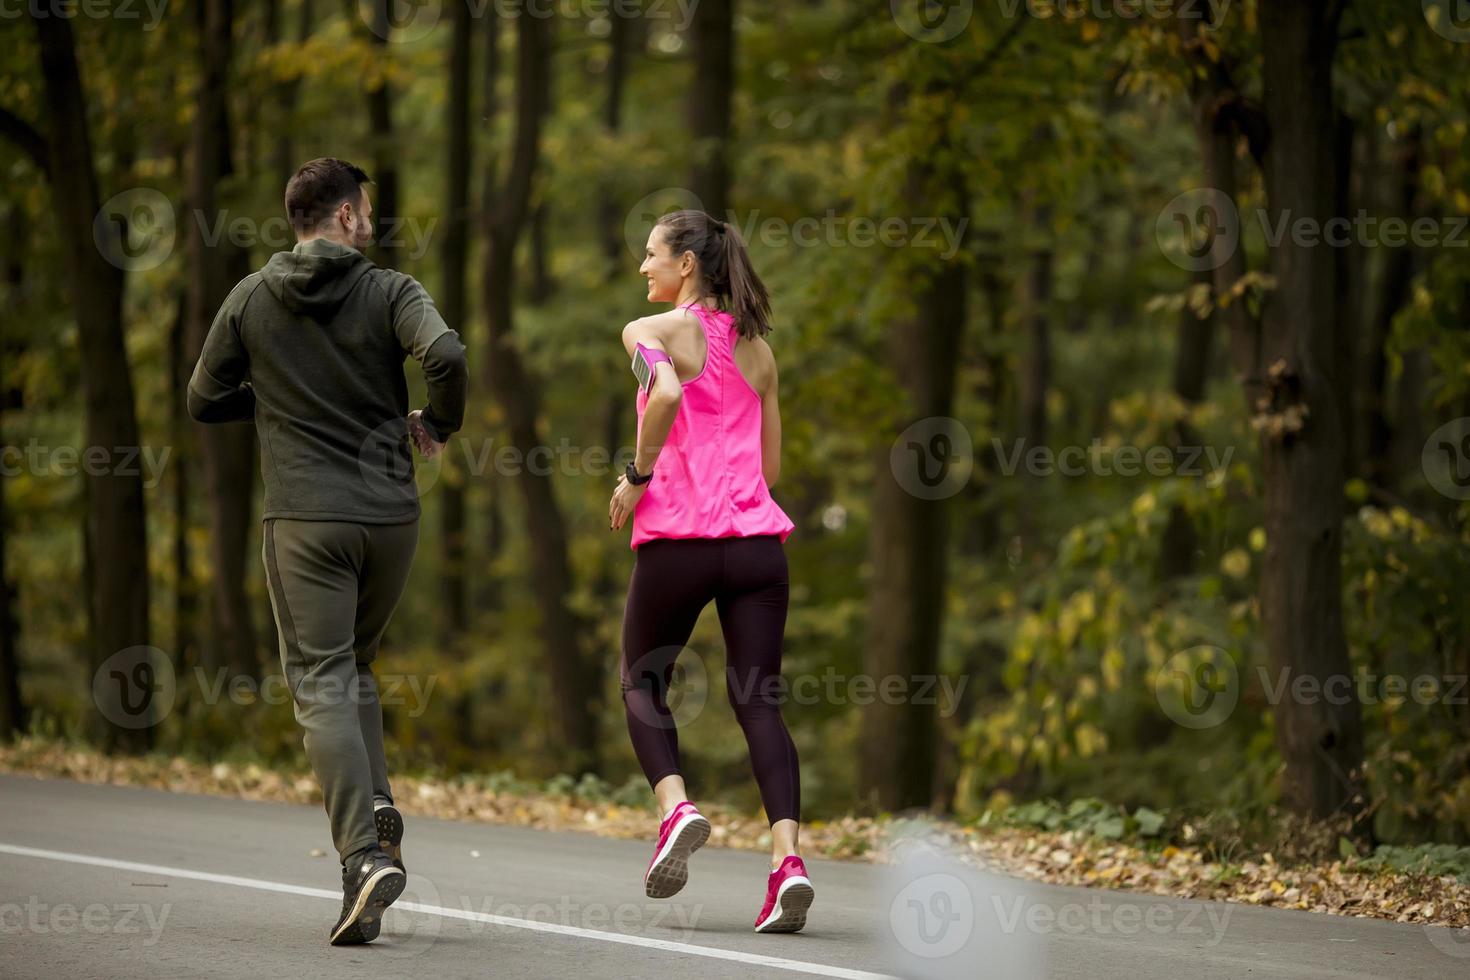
(1426, 859)
(1088, 816)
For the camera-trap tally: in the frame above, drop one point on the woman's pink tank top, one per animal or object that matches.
(708, 481)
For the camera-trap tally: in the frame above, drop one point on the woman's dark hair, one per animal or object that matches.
(319, 188)
(725, 265)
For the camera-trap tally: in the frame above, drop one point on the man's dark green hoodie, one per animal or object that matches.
(312, 348)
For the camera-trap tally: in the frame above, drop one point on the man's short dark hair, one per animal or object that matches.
(319, 188)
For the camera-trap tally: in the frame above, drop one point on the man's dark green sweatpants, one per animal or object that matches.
(333, 587)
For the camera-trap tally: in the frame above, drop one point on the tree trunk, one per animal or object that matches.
(574, 680)
(283, 154)
(1286, 363)
(1348, 270)
(186, 598)
(1034, 299)
(116, 521)
(12, 708)
(1191, 371)
(712, 46)
(908, 538)
(229, 452)
(386, 229)
(1375, 434)
(609, 214)
(1321, 743)
(12, 277)
(454, 303)
(909, 559)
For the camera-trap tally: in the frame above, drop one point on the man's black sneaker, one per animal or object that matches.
(390, 831)
(369, 886)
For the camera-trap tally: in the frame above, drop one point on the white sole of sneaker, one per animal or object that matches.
(380, 891)
(794, 897)
(669, 872)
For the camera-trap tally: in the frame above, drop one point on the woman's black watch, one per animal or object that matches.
(634, 478)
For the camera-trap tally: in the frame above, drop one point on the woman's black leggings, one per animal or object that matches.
(673, 580)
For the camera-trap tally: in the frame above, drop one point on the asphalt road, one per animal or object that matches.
(100, 881)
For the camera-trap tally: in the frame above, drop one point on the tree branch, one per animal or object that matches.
(27, 138)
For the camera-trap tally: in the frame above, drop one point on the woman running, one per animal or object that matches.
(705, 528)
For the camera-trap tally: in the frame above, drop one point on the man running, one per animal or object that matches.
(311, 348)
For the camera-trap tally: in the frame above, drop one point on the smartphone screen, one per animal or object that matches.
(642, 371)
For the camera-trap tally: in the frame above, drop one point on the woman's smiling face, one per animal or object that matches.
(664, 271)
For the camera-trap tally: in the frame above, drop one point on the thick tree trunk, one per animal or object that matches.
(228, 451)
(1321, 742)
(1286, 363)
(454, 303)
(908, 538)
(712, 46)
(910, 561)
(116, 522)
(575, 682)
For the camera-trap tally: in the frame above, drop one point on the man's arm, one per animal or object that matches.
(425, 336)
(218, 391)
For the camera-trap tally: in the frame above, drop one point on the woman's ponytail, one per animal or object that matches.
(725, 265)
(750, 302)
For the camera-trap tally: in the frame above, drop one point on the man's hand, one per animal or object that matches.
(624, 499)
(422, 441)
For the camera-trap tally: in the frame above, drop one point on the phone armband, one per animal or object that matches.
(645, 361)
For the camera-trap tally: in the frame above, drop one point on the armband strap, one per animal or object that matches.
(653, 356)
(645, 363)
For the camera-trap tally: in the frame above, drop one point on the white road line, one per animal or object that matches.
(710, 952)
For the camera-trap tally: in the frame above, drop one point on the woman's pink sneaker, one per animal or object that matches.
(789, 894)
(682, 832)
